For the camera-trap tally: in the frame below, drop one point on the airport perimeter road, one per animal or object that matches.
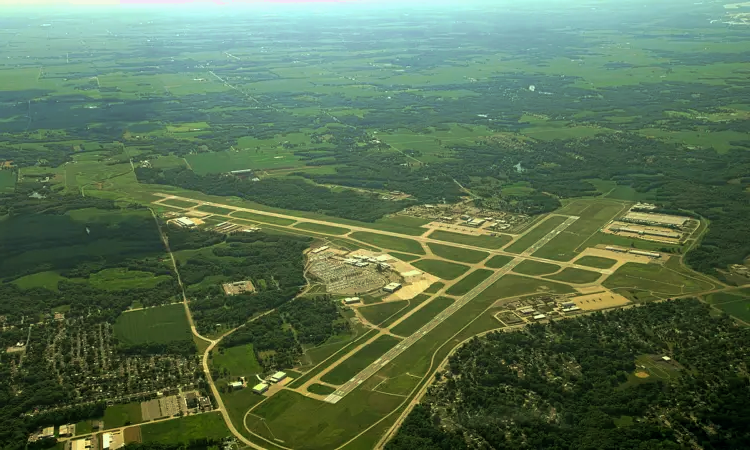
(370, 370)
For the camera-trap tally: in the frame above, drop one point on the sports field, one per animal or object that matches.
(376, 314)
(468, 282)
(484, 241)
(423, 315)
(441, 269)
(390, 242)
(457, 253)
(535, 234)
(575, 276)
(596, 261)
(161, 324)
(529, 267)
(319, 228)
(358, 361)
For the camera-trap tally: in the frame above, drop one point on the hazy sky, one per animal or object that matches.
(167, 2)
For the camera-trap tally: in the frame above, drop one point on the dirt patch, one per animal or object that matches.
(133, 434)
(642, 374)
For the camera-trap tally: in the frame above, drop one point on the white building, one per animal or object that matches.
(260, 388)
(320, 249)
(539, 317)
(235, 385)
(351, 300)
(642, 253)
(278, 376)
(184, 222)
(392, 287)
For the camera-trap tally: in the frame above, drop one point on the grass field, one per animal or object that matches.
(457, 253)
(331, 346)
(118, 279)
(47, 280)
(262, 218)
(529, 267)
(358, 361)
(413, 303)
(186, 429)
(7, 181)
(434, 287)
(239, 361)
(484, 241)
(220, 162)
(403, 256)
(390, 242)
(735, 303)
(214, 209)
(378, 313)
(161, 324)
(659, 280)
(596, 261)
(421, 316)
(575, 276)
(178, 203)
(320, 389)
(498, 261)
(122, 414)
(318, 228)
(441, 269)
(469, 282)
(514, 285)
(536, 233)
(593, 215)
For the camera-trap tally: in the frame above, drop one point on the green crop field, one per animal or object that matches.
(375, 314)
(576, 276)
(390, 242)
(7, 181)
(320, 389)
(117, 279)
(469, 282)
(238, 361)
(318, 228)
(263, 218)
(441, 269)
(484, 241)
(536, 233)
(656, 279)
(596, 261)
(529, 267)
(160, 324)
(186, 429)
(498, 261)
(47, 280)
(421, 316)
(593, 215)
(358, 361)
(122, 414)
(457, 253)
(404, 256)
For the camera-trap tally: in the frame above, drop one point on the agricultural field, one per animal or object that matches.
(389, 242)
(534, 234)
(484, 241)
(421, 316)
(441, 269)
(161, 324)
(358, 361)
(596, 262)
(529, 267)
(575, 276)
(457, 253)
(185, 429)
(469, 282)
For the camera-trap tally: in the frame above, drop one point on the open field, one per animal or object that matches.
(469, 282)
(178, 203)
(122, 414)
(213, 209)
(441, 269)
(117, 279)
(222, 162)
(423, 315)
(320, 389)
(319, 228)
(514, 285)
(46, 280)
(413, 303)
(498, 261)
(484, 241)
(160, 324)
(536, 233)
(262, 218)
(529, 267)
(457, 253)
(657, 279)
(575, 276)
(596, 261)
(404, 256)
(358, 361)
(434, 287)
(185, 429)
(376, 314)
(389, 242)
(7, 181)
(734, 303)
(335, 343)
(238, 361)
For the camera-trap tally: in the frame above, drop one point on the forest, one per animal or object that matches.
(595, 382)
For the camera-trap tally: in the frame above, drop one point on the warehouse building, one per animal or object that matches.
(642, 253)
(352, 300)
(392, 287)
(260, 388)
(655, 219)
(184, 222)
(616, 249)
(539, 317)
(278, 376)
(235, 385)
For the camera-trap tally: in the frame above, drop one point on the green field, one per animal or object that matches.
(484, 241)
(413, 303)
(593, 215)
(378, 313)
(390, 242)
(596, 261)
(514, 285)
(263, 218)
(214, 209)
(529, 267)
(318, 228)
(734, 303)
(457, 253)
(659, 280)
(404, 256)
(122, 414)
(320, 389)
(7, 180)
(536, 233)
(434, 287)
(238, 361)
(575, 276)
(441, 269)
(118, 279)
(185, 429)
(178, 203)
(469, 282)
(161, 324)
(498, 261)
(222, 162)
(47, 280)
(421, 316)
(358, 361)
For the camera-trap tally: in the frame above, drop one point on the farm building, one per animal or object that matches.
(260, 388)
(235, 385)
(392, 287)
(642, 253)
(351, 300)
(184, 222)
(278, 376)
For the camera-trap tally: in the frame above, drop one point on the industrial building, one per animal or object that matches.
(655, 219)
(476, 222)
(352, 300)
(278, 376)
(616, 249)
(643, 253)
(392, 287)
(260, 388)
(647, 232)
(184, 222)
(570, 308)
(235, 385)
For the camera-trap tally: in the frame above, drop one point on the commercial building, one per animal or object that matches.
(570, 308)
(642, 253)
(47, 432)
(352, 300)
(260, 388)
(236, 385)
(647, 232)
(392, 287)
(526, 311)
(278, 376)
(655, 219)
(184, 222)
